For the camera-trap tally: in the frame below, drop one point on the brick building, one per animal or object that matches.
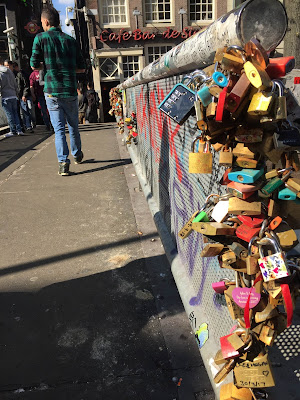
(127, 35)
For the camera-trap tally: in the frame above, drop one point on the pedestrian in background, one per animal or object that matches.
(93, 103)
(82, 104)
(62, 58)
(24, 96)
(8, 91)
(37, 93)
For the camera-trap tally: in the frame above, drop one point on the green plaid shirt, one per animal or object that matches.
(61, 56)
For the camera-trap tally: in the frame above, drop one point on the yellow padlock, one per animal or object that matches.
(257, 76)
(261, 103)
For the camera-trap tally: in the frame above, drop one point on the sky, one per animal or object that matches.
(61, 5)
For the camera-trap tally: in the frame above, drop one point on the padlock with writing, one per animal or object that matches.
(200, 162)
(272, 266)
(229, 391)
(246, 233)
(187, 229)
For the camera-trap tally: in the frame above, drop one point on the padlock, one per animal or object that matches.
(273, 266)
(280, 102)
(268, 312)
(201, 124)
(212, 250)
(256, 53)
(236, 189)
(241, 190)
(226, 156)
(219, 78)
(252, 222)
(179, 102)
(288, 135)
(252, 258)
(228, 350)
(267, 335)
(234, 310)
(273, 184)
(224, 371)
(287, 194)
(246, 175)
(241, 150)
(285, 235)
(219, 54)
(233, 63)
(221, 104)
(228, 257)
(244, 162)
(219, 359)
(248, 135)
(246, 233)
(200, 162)
(294, 183)
(274, 173)
(261, 103)
(202, 216)
(211, 110)
(256, 373)
(220, 211)
(280, 67)
(225, 180)
(239, 250)
(229, 391)
(213, 228)
(187, 229)
(243, 207)
(257, 75)
(238, 93)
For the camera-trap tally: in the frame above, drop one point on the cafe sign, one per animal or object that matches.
(137, 34)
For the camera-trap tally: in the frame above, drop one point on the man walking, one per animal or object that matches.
(62, 58)
(8, 91)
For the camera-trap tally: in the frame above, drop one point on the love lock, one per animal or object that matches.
(273, 266)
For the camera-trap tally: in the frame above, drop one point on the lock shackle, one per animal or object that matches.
(280, 86)
(237, 48)
(251, 243)
(263, 228)
(194, 142)
(187, 77)
(268, 241)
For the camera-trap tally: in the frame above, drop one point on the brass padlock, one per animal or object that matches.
(200, 162)
(280, 103)
(229, 257)
(245, 162)
(226, 156)
(252, 259)
(212, 250)
(241, 150)
(233, 63)
(211, 110)
(261, 103)
(224, 371)
(254, 374)
(242, 207)
(230, 392)
(187, 229)
(213, 228)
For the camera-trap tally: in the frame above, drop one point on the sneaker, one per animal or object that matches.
(8, 134)
(20, 133)
(78, 159)
(30, 130)
(63, 168)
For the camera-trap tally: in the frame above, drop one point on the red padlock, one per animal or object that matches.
(225, 180)
(221, 104)
(279, 67)
(252, 222)
(246, 233)
(228, 351)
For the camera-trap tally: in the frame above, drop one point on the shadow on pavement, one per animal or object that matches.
(118, 164)
(95, 337)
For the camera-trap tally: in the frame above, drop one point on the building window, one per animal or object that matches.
(3, 36)
(109, 67)
(201, 10)
(154, 52)
(114, 11)
(158, 10)
(130, 65)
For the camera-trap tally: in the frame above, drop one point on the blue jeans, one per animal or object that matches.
(25, 109)
(10, 107)
(42, 101)
(64, 110)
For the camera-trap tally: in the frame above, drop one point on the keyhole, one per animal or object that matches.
(240, 178)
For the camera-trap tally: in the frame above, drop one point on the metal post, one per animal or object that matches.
(265, 19)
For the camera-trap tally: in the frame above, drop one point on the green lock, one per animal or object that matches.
(201, 217)
(272, 185)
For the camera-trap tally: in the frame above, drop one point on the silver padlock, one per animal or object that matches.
(273, 266)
